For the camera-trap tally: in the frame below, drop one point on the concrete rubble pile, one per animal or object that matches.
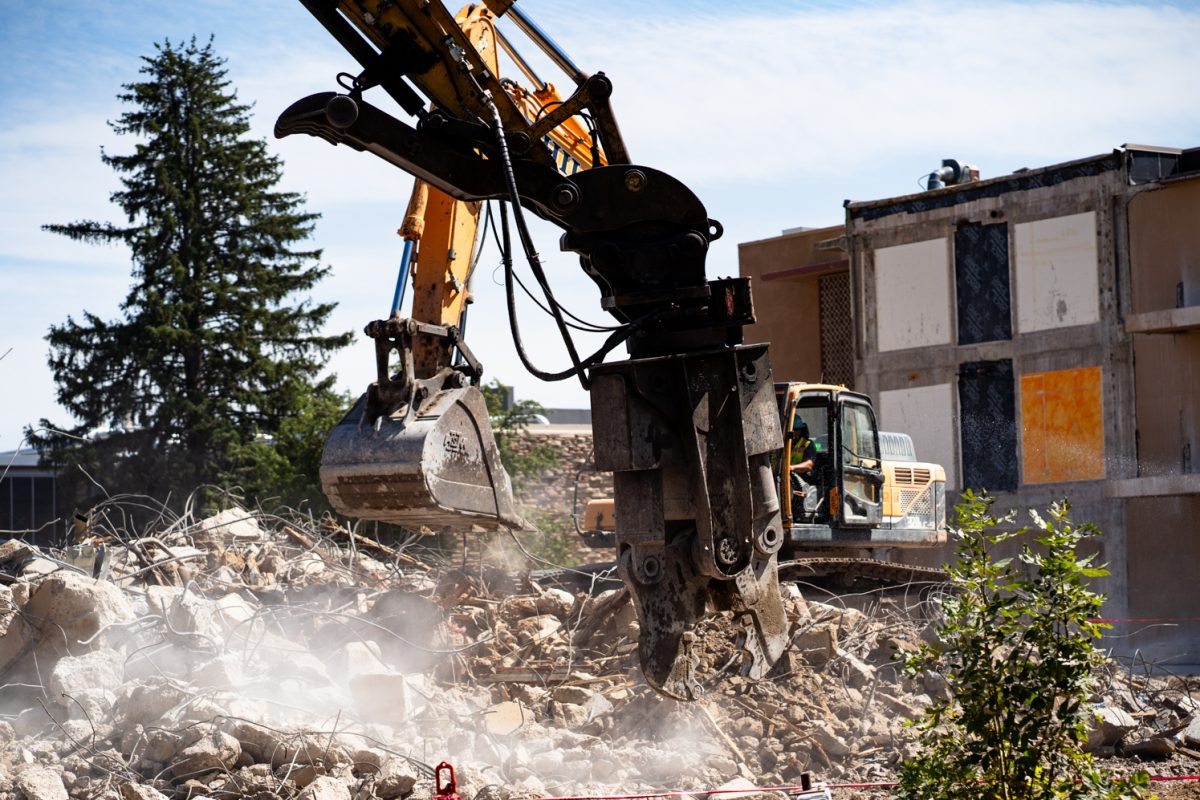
(249, 655)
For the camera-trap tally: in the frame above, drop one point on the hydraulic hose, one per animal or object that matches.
(535, 265)
(614, 339)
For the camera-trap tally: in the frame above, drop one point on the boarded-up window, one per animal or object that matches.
(925, 413)
(1057, 273)
(1062, 426)
(912, 295)
(981, 283)
(837, 330)
(988, 428)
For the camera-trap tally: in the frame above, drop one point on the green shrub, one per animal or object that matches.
(1016, 646)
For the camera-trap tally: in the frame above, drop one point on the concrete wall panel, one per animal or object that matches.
(912, 294)
(1057, 273)
(1062, 426)
(925, 413)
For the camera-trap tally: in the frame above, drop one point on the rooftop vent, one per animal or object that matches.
(952, 173)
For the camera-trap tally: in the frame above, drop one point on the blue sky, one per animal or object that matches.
(774, 113)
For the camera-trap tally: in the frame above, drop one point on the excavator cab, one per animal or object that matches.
(846, 482)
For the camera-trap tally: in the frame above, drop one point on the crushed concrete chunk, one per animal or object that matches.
(381, 696)
(842, 616)
(578, 695)
(1191, 734)
(538, 628)
(230, 525)
(39, 783)
(396, 779)
(505, 719)
(742, 789)
(146, 702)
(833, 745)
(214, 751)
(140, 791)
(102, 670)
(858, 672)
(64, 610)
(556, 601)
(1110, 726)
(817, 643)
(356, 658)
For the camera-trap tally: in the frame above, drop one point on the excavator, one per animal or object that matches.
(867, 492)
(687, 421)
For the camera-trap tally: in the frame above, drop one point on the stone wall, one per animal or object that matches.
(551, 493)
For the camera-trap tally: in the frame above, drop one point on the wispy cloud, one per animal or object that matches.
(766, 94)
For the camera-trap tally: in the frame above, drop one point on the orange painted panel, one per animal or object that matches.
(1062, 425)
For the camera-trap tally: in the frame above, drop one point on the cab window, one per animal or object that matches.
(817, 416)
(860, 448)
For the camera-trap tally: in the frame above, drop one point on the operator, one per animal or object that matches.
(804, 452)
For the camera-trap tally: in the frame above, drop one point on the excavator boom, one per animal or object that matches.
(687, 423)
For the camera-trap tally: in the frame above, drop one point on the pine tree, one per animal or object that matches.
(218, 350)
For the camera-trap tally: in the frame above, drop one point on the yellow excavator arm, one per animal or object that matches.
(687, 423)
(443, 230)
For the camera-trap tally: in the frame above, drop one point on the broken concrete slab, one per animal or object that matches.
(1191, 734)
(1109, 726)
(66, 614)
(1154, 748)
(213, 751)
(102, 670)
(505, 719)
(396, 779)
(140, 791)
(40, 783)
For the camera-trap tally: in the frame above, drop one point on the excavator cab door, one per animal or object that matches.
(859, 496)
(815, 408)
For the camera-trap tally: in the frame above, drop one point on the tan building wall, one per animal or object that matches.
(786, 273)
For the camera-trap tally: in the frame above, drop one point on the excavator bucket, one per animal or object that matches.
(436, 466)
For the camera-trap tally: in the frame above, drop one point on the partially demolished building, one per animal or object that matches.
(1038, 334)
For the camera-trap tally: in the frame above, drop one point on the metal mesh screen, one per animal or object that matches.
(837, 330)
